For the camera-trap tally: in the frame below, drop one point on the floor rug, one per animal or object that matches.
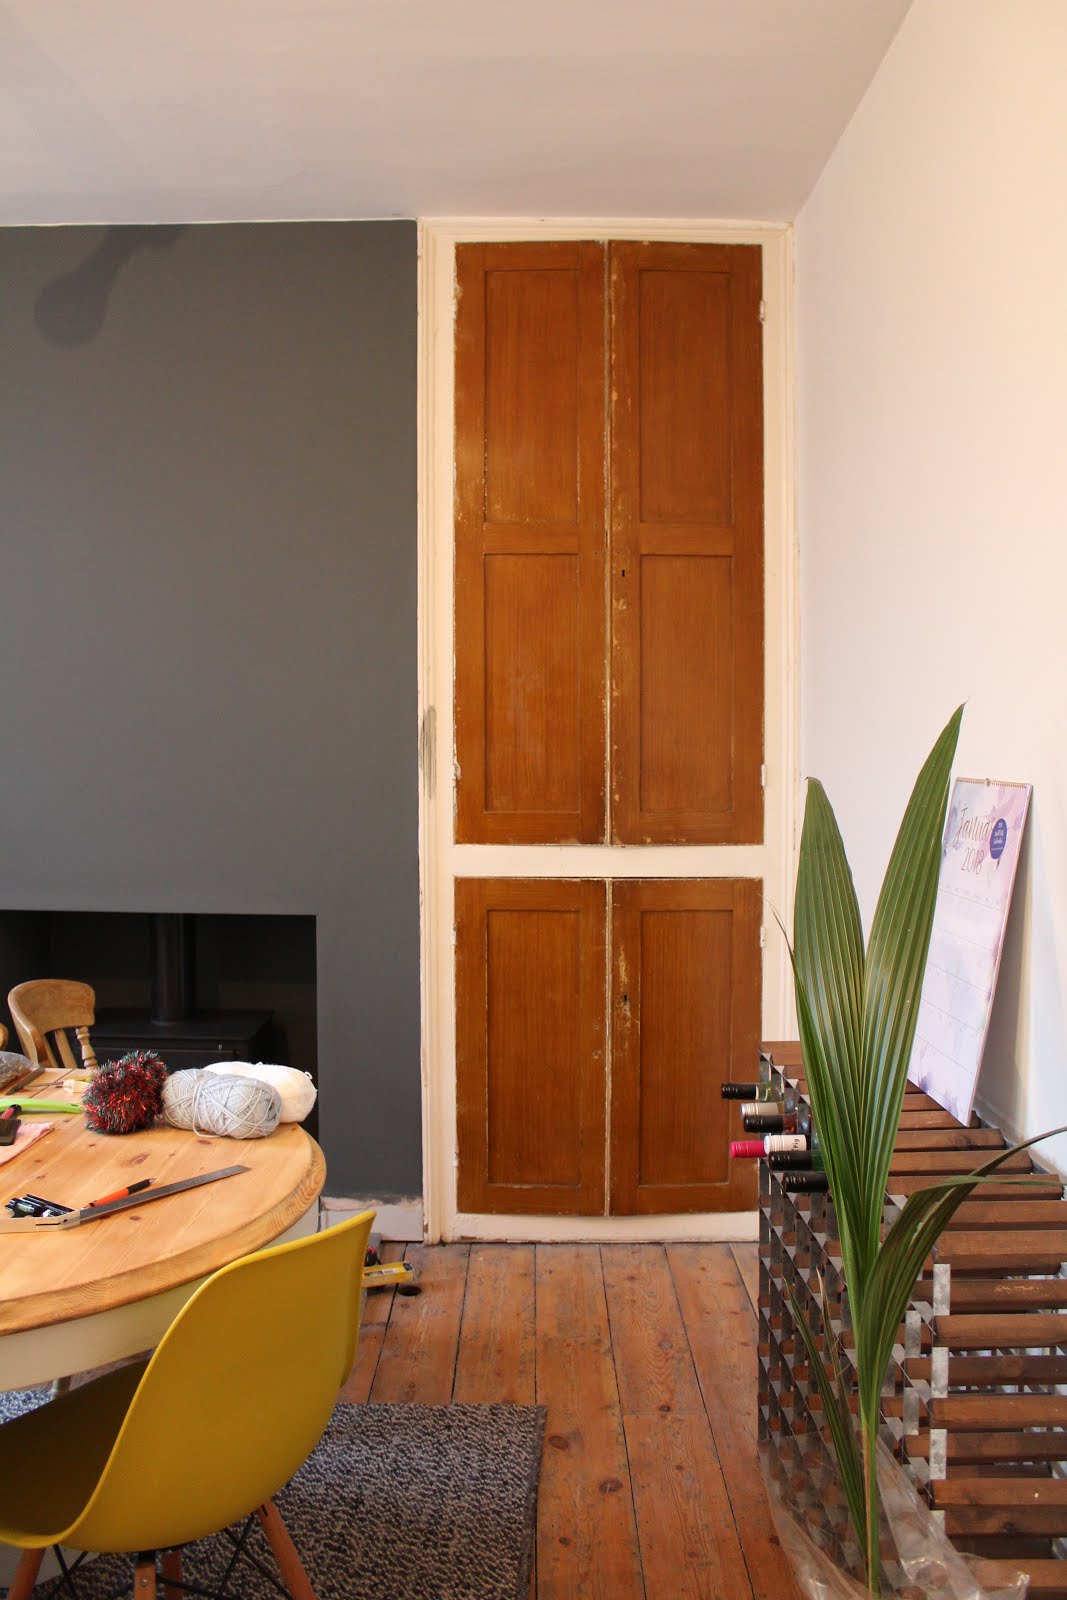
(397, 1502)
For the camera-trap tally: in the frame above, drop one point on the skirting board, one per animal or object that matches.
(401, 1221)
(396, 1220)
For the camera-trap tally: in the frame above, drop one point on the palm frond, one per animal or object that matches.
(828, 963)
(835, 1392)
(909, 1240)
(836, 1137)
(896, 964)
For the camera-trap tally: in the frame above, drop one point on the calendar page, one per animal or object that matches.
(979, 855)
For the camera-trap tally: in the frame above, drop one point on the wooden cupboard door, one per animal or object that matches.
(530, 1045)
(530, 669)
(687, 544)
(685, 1018)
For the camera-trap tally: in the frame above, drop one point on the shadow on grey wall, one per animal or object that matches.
(71, 310)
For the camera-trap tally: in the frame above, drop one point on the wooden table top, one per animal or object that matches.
(55, 1275)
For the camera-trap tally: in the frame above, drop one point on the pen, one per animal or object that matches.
(120, 1194)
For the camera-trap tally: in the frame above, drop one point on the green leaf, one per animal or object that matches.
(831, 1120)
(835, 1391)
(912, 1236)
(896, 964)
(857, 1014)
(828, 939)
(828, 965)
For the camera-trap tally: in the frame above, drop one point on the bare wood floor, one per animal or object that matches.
(645, 1357)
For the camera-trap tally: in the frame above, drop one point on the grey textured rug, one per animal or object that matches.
(396, 1503)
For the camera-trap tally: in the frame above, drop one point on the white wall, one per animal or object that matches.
(932, 407)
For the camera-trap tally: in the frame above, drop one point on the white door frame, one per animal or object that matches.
(441, 860)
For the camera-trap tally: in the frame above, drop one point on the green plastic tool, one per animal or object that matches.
(30, 1106)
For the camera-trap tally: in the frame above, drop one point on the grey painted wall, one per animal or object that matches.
(207, 611)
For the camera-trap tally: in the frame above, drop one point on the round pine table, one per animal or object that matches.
(77, 1298)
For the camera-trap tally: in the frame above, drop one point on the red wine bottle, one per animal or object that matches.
(770, 1122)
(810, 1182)
(746, 1149)
(796, 1161)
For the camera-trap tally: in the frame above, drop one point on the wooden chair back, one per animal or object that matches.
(50, 1006)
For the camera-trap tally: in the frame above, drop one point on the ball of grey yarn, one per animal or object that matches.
(210, 1102)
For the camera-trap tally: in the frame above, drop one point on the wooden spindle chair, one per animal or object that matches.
(51, 1006)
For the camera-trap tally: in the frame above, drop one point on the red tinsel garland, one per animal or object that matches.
(127, 1094)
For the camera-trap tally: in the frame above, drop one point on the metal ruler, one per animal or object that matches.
(74, 1219)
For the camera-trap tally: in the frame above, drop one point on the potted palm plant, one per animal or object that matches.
(857, 1009)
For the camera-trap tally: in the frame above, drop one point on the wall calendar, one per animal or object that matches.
(979, 857)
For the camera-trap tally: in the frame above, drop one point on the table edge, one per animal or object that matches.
(84, 1300)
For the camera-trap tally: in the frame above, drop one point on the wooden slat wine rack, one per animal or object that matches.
(974, 1404)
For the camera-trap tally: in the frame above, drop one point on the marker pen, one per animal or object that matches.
(120, 1194)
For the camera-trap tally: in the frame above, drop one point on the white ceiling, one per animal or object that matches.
(198, 110)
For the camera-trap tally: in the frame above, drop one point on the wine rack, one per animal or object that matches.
(975, 1402)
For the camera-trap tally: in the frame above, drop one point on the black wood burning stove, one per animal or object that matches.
(174, 1029)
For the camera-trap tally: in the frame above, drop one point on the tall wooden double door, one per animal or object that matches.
(609, 691)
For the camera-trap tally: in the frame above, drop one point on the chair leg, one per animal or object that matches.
(172, 1575)
(26, 1576)
(144, 1576)
(289, 1563)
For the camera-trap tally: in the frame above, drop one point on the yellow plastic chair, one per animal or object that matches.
(234, 1399)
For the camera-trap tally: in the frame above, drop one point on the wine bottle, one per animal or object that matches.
(810, 1182)
(770, 1144)
(746, 1149)
(760, 1088)
(770, 1122)
(783, 1102)
(762, 1092)
(809, 1160)
(780, 1143)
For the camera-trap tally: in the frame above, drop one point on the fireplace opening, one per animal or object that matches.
(194, 988)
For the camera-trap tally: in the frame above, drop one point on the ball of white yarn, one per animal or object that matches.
(296, 1088)
(234, 1107)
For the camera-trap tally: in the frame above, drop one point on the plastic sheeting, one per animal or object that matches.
(918, 1561)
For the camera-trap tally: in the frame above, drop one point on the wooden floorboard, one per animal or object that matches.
(417, 1364)
(371, 1336)
(645, 1359)
(746, 1259)
(495, 1365)
(723, 1331)
(586, 1532)
(689, 1544)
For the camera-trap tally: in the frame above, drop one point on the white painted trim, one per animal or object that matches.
(399, 1220)
(728, 1227)
(440, 858)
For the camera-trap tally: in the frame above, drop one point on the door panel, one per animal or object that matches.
(530, 1031)
(685, 1018)
(529, 560)
(532, 718)
(686, 544)
(686, 673)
